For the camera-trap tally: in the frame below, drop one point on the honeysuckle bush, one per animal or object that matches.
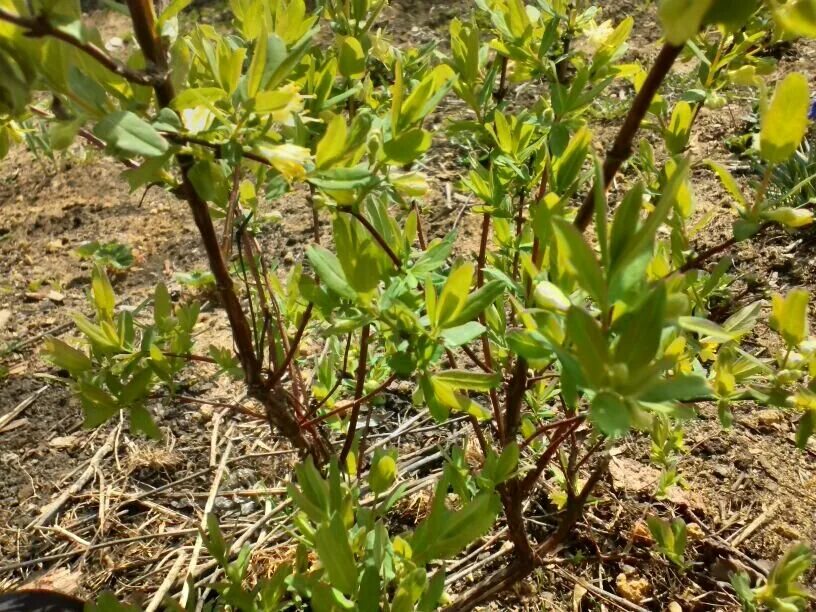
(585, 316)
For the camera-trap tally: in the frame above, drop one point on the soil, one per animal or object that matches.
(49, 208)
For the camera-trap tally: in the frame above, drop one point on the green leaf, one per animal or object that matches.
(729, 183)
(785, 121)
(66, 357)
(576, 254)
(610, 414)
(425, 96)
(529, 344)
(590, 344)
(805, 429)
(334, 550)
(174, 8)
(478, 301)
(707, 330)
(567, 166)
(351, 59)
(409, 591)
(444, 534)
(432, 596)
(469, 380)
(126, 133)
(731, 13)
(444, 394)
(462, 334)
(797, 17)
(333, 144)
(210, 182)
(789, 316)
(641, 330)
(454, 295)
(142, 421)
(682, 19)
(383, 470)
(679, 388)
(679, 129)
(102, 290)
(328, 269)
(257, 67)
(408, 145)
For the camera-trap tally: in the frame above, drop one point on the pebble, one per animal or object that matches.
(248, 507)
(223, 504)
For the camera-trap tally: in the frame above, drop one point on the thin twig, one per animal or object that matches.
(374, 234)
(39, 26)
(622, 147)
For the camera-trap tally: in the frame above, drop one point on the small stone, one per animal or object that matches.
(54, 246)
(63, 442)
(632, 589)
(674, 607)
(641, 535)
(769, 418)
(694, 532)
(288, 258)
(55, 296)
(248, 507)
(223, 504)
(243, 477)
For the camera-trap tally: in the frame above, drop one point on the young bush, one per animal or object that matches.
(554, 342)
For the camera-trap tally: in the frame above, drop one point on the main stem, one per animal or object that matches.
(278, 409)
(622, 147)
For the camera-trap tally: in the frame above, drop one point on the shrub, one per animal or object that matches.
(554, 342)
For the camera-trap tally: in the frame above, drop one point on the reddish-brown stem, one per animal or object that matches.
(353, 404)
(293, 346)
(234, 407)
(279, 412)
(502, 91)
(423, 244)
(699, 261)
(39, 26)
(97, 143)
(189, 357)
(575, 508)
(622, 147)
(362, 370)
(544, 459)
(229, 220)
(475, 359)
(547, 427)
(339, 380)
(374, 234)
(520, 567)
(515, 400)
(215, 146)
(519, 229)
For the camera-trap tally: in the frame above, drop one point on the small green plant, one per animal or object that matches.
(670, 539)
(112, 256)
(782, 591)
(196, 280)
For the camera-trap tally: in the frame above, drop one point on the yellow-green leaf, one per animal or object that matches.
(682, 19)
(789, 316)
(785, 122)
(454, 294)
(333, 144)
(351, 58)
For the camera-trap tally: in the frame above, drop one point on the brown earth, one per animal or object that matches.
(47, 209)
